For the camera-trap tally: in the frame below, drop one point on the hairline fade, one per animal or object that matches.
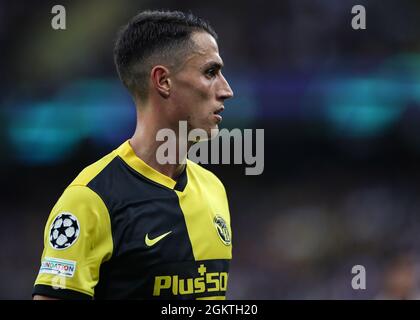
(151, 38)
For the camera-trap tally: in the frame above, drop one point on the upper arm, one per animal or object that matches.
(77, 240)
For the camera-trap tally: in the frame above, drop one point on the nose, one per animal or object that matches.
(225, 91)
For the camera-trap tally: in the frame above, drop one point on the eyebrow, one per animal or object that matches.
(213, 64)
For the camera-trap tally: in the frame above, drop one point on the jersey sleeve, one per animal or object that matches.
(77, 240)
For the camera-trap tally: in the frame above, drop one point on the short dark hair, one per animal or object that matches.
(153, 37)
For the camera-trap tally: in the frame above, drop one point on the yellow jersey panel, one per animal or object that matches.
(77, 240)
(206, 211)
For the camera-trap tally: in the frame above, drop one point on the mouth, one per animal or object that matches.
(217, 114)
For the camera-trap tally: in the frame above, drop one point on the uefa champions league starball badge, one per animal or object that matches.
(64, 231)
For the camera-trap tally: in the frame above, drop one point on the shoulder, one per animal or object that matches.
(82, 203)
(79, 199)
(91, 171)
(202, 175)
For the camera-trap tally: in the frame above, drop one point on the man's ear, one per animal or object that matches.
(161, 81)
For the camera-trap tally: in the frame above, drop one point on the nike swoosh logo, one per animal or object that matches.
(152, 242)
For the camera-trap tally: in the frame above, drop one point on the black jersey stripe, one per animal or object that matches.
(138, 207)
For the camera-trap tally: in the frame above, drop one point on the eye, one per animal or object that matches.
(211, 73)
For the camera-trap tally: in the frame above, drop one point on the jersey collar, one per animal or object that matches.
(126, 152)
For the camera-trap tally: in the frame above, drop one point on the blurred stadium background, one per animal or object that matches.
(340, 109)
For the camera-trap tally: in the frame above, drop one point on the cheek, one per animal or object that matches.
(204, 99)
(193, 98)
(197, 102)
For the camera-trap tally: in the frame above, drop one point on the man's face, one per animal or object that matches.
(199, 88)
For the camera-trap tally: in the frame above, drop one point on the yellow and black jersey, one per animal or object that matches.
(122, 230)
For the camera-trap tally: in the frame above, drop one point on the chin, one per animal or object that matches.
(213, 132)
(209, 133)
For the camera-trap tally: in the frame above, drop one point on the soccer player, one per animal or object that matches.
(128, 226)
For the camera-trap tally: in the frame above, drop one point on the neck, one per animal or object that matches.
(145, 144)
